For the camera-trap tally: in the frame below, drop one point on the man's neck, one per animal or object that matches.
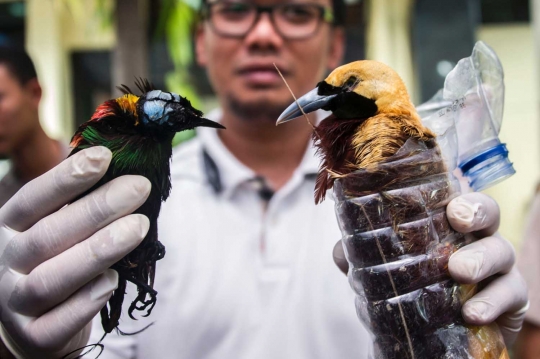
(37, 155)
(271, 151)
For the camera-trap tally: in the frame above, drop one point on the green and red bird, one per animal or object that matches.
(139, 131)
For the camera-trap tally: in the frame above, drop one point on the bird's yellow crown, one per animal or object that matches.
(128, 103)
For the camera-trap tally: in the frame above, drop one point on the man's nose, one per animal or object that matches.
(264, 33)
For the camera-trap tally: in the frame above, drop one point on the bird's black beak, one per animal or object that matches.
(310, 102)
(204, 122)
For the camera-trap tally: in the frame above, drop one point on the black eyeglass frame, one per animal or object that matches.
(326, 14)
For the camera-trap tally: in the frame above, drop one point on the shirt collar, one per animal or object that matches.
(225, 172)
(229, 171)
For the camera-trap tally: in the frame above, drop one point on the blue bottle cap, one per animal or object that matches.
(488, 167)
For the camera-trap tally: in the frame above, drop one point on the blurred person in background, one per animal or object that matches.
(22, 139)
(248, 271)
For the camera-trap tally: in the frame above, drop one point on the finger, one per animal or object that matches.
(76, 222)
(54, 329)
(475, 213)
(55, 188)
(56, 279)
(511, 323)
(339, 257)
(506, 296)
(482, 259)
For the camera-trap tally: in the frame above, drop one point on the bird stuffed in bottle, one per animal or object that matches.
(391, 185)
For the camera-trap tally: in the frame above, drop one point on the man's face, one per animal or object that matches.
(18, 110)
(241, 70)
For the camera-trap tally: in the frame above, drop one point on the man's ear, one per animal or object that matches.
(34, 91)
(200, 52)
(337, 47)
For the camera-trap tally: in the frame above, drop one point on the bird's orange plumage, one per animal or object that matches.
(347, 145)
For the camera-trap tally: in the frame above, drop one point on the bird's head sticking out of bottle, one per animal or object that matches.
(359, 89)
(372, 117)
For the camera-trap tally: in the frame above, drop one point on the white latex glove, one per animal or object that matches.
(54, 275)
(504, 299)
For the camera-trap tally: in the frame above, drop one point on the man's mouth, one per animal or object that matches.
(261, 75)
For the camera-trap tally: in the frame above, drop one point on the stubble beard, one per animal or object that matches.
(256, 111)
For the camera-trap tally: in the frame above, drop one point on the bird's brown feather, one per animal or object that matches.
(349, 145)
(333, 140)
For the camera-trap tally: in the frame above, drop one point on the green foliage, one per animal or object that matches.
(182, 137)
(102, 10)
(176, 21)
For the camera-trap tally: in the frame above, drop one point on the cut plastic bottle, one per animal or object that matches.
(396, 235)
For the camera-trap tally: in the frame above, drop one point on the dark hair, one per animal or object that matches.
(18, 63)
(338, 8)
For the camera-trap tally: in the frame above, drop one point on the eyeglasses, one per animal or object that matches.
(291, 21)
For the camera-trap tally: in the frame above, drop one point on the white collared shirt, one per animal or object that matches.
(243, 279)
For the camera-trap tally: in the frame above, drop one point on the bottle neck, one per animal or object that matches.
(488, 167)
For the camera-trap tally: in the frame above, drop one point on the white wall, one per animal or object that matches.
(54, 28)
(44, 44)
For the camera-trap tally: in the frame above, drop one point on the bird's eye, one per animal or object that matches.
(351, 83)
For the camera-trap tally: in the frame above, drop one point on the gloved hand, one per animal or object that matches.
(54, 259)
(504, 299)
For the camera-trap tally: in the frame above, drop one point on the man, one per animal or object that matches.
(22, 139)
(248, 272)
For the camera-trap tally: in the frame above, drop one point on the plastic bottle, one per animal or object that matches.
(395, 232)
(474, 90)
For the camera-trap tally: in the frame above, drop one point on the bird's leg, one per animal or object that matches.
(143, 289)
(110, 321)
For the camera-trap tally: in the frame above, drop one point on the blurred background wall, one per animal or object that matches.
(82, 48)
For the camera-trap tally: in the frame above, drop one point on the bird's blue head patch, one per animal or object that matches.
(159, 106)
(168, 111)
